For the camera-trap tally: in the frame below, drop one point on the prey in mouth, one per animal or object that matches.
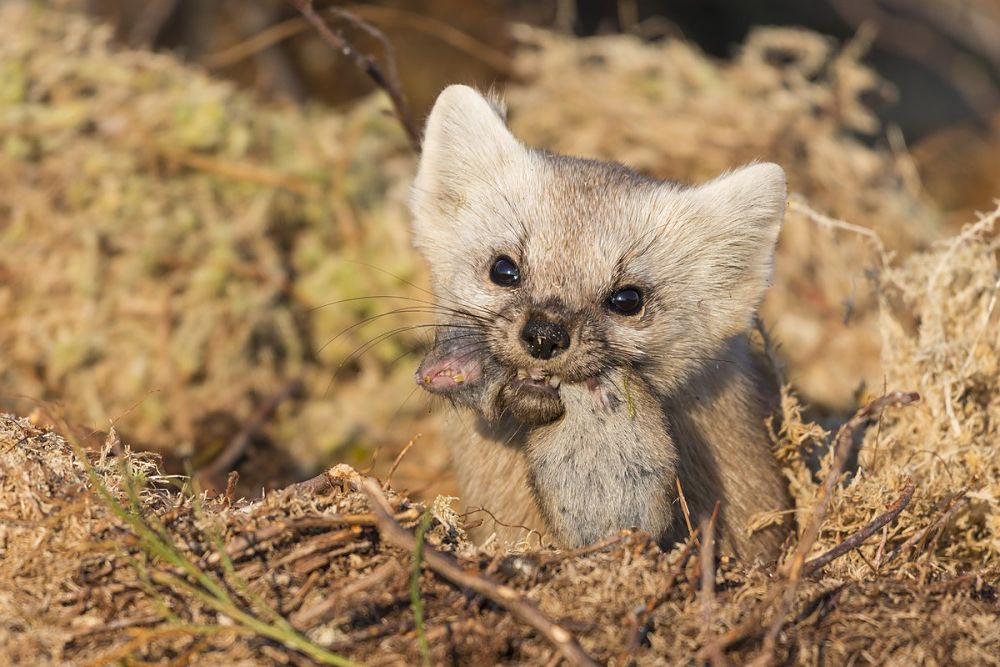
(468, 375)
(537, 379)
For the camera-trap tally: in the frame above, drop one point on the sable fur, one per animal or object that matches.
(673, 392)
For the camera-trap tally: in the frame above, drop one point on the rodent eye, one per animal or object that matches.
(505, 272)
(626, 301)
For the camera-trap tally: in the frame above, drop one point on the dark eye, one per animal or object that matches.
(626, 301)
(505, 272)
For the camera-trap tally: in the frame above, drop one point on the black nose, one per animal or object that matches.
(544, 339)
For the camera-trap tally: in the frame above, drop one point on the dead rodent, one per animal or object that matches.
(594, 335)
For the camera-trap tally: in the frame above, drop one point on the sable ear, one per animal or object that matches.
(740, 215)
(465, 138)
(750, 201)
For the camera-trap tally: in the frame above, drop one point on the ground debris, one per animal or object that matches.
(251, 218)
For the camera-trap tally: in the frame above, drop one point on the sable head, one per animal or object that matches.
(556, 269)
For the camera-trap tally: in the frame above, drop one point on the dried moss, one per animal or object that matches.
(168, 243)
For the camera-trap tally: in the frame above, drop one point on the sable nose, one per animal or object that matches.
(544, 339)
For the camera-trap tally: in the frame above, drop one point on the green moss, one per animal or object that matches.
(13, 82)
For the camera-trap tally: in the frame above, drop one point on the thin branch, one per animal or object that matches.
(794, 567)
(858, 538)
(365, 63)
(308, 617)
(958, 502)
(798, 204)
(236, 447)
(399, 458)
(783, 595)
(685, 511)
(642, 615)
(500, 594)
(448, 34)
(611, 540)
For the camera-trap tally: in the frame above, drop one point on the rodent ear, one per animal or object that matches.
(739, 217)
(465, 138)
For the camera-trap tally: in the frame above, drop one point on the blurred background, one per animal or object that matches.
(203, 204)
(938, 60)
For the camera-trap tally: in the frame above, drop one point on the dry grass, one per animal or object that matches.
(167, 242)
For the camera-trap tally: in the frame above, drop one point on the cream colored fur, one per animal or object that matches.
(673, 392)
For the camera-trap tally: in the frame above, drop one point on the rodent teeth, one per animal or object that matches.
(555, 381)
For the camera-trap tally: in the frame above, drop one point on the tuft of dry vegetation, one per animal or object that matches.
(177, 254)
(169, 245)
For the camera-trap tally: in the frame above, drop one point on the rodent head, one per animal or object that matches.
(556, 269)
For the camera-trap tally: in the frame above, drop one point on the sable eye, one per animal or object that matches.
(505, 272)
(626, 301)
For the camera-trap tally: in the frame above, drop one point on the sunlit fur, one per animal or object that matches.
(673, 392)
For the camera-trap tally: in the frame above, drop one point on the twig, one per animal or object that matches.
(237, 446)
(309, 617)
(232, 479)
(241, 171)
(784, 594)
(395, 464)
(549, 558)
(794, 567)
(318, 543)
(842, 446)
(191, 578)
(685, 511)
(502, 595)
(448, 34)
(858, 538)
(363, 62)
(957, 503)
(643, 613)
(798, 204)
(529, 531)
(314, 486)
(249, 543)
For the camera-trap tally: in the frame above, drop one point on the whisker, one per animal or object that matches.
(437, 308)
(403, 404)
(365, 347)
(409, 309)
(456, 300)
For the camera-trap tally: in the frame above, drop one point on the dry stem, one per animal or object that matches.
(783, 595)
(858, 538)
(365, 63)
(502, 595)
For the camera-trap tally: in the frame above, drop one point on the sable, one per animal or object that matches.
(595, 337)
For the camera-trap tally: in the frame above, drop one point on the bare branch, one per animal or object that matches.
(502, 595)
(783, 595)
(794, 567)
(365, 63)
(858, 538)
(643, 613)
(958, 502)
